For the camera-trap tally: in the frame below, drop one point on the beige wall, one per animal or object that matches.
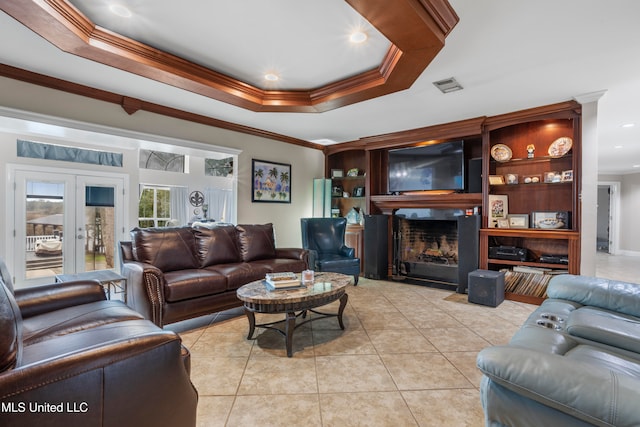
(306, 163)
(629, 207)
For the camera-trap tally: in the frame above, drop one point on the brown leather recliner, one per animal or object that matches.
(69, 357)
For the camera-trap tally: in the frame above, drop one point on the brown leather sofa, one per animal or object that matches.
(69, 357)
(177, 273)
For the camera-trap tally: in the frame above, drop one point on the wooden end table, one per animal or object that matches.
(294, 303)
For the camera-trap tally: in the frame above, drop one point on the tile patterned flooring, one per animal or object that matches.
(406, 358)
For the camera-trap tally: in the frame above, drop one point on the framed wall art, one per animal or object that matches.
(498, 208)
(271, 182)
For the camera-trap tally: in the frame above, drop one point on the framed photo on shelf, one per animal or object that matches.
(337, 173)
(512, 178)
(503, 223)
(518, 220)
(498, 208)
(552, 176)
(271, 182)
(496, 179)
(358, 192)
(551, 220)
(567, 176)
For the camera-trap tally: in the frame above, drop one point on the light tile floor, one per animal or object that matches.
(619, 267)
(406, 358)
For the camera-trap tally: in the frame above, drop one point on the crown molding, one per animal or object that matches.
(132, 105)
(429, 21)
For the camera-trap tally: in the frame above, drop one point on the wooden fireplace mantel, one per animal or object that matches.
(387, 204)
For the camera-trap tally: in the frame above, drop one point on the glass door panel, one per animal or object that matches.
(42, 221)
(98, 221)
(99, 217)
(65, 224)
(44, 224)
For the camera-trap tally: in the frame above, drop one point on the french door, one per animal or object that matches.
(65, 223)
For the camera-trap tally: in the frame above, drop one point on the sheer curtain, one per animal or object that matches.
(220, 203)
(179, 210)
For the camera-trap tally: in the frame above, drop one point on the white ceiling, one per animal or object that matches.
(507, 54)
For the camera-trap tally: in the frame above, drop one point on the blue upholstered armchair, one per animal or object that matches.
(324, 238)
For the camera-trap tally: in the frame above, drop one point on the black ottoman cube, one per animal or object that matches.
(486, 287)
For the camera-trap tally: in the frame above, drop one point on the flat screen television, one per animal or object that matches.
(427, 167)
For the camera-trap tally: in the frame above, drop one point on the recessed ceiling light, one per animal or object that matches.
(271, 77)
(358, 37)
(636, 166)
(617, 147)
(120, 10)
(628, 125)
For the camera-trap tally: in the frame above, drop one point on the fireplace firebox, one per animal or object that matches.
(435, 251)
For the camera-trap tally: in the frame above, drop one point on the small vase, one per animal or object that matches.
(353, 217)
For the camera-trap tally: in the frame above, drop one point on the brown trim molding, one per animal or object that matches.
(459, 129)
(429, 21)
(388, 204)
(463, 128)
(131, 105)
(561, 110)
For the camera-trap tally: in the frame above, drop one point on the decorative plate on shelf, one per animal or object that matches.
(560, 146)
(550, 223)
(501, 153)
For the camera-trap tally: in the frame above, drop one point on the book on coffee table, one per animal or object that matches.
(282, 280)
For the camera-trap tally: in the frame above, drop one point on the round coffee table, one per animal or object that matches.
(326, 288)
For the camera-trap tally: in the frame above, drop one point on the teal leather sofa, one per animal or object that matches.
(574, 362)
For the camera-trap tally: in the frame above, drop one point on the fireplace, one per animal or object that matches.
(437, 250)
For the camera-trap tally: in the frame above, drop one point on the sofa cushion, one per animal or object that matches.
(217, 245)
(11, 327)
(256, 242)
(606, 358)
(186, 284)
(75, 318)
(79, 341)
(168, 249)
(239, 274)
(279, 265)
(605, 327)
(614, 295)
(576, 385)
(537, 338)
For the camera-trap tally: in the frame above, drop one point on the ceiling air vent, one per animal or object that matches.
(448, 85)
